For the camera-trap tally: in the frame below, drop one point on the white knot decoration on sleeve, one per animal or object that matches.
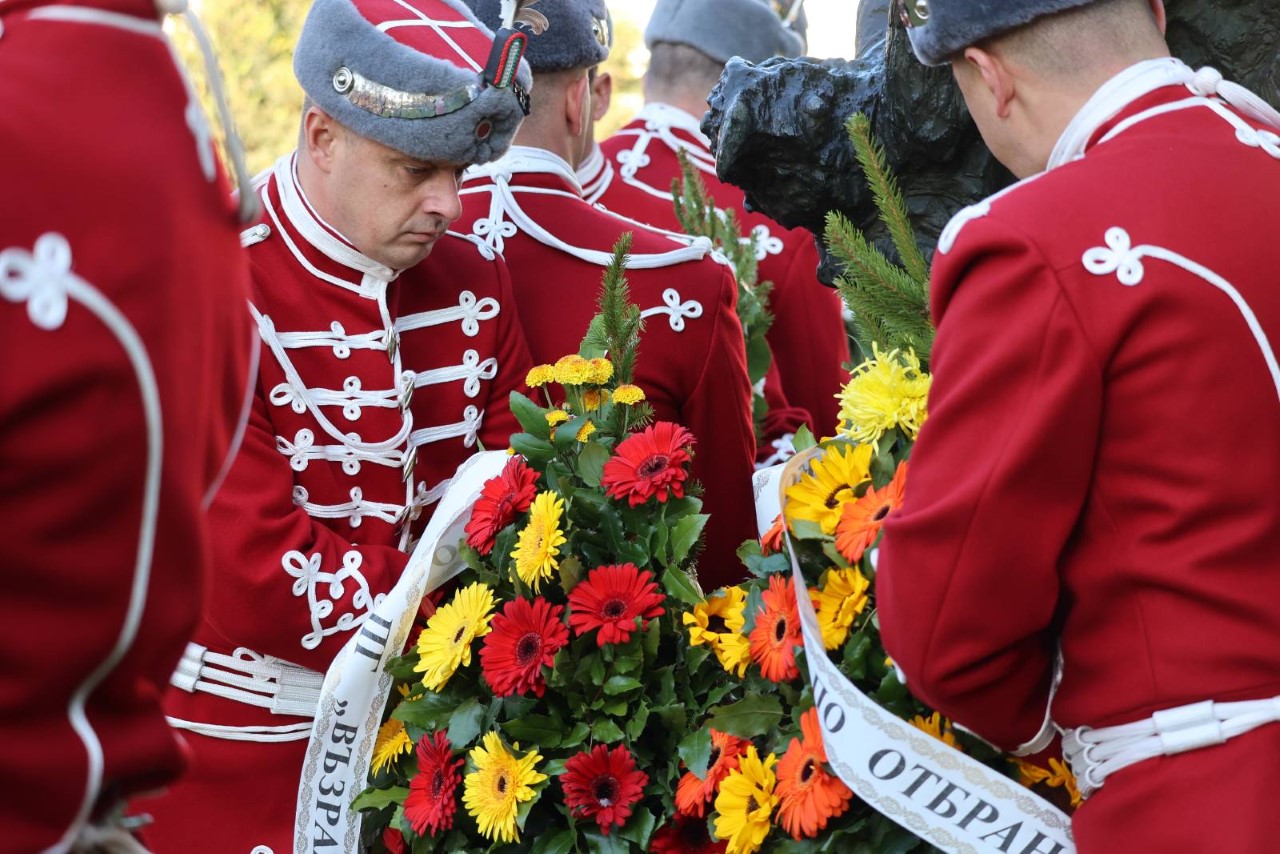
(1119, 257)
(675, 309)
(310, 582)
(40, 278)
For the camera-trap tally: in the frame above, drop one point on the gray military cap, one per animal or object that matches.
(939, 29)
(404, 75)
(751, 29)
(563, 34)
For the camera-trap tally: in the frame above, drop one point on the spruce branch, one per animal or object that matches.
(616, 327)
(888, 196)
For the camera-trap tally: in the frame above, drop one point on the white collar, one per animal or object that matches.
(523, 158)
(591, 166)
(313, 228)
(665, 115)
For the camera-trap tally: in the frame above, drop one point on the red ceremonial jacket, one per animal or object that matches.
(374, 387)
(124, 358)
(1098, 471)
(808, 337)
(692, 362)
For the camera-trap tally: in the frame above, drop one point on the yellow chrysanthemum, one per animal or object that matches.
(838, 603)
(556, 417)
(592, 398)
(628, 394)
(584, 433)
(884, 392)
(392, 743)
(1057, 774)
(938, 727)
(445, 644)
(572, 370)
(821, 496)
(601, 371)
(539, 375)
(718, 623)
(501, 782)
(540, 540)
(745, 803)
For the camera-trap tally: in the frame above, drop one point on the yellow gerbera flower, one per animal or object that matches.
(392, 743)
(884, 392)
(540, 540)
(938, 727)
(838, 603)
(745, 803)
(628, 394)
(1057, 774)
(572, 370)
(501, 782)
(584, 433)
(556, 417)
(821, 496)
(601, 371)
(445, 644)
(717, 623)
(539, 375)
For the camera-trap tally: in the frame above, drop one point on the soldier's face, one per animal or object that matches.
(392, 207)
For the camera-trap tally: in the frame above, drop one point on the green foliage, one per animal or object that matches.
(700, 217)
(890, 303)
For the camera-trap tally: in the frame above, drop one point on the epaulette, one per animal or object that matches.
(254, 235)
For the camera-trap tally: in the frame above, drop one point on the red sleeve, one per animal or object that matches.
(718, 411)
(514, 362)
(967, 577)
(262, 542)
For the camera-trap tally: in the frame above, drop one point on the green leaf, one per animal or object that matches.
(598, 843)
(639, 828)
(803, 439)
(575, 736)
(681, 587)
(673, 717)
(695, 751)
(749, 717)
(533, 448)
(620, 685)
(635, 726)
(591, 460)
(606, 731)
(541, 730)
(532, 417)
(803, 529)
(561, 843)
(376, 799)
(464, 723)
(685, 535)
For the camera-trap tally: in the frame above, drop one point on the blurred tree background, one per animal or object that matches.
(254, 42)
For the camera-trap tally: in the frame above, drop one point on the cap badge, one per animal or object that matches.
(391, 103)
(600, 29)
(913, 13)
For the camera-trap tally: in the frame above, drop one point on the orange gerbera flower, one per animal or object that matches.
(771, 542)
(693, 793)
(861, 520)
(777, 631)
(809, 795)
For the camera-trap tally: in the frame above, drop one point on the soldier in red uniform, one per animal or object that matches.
(690, 41)
(529, 206)
(380, 373)
(1096, 482)
(126, 356)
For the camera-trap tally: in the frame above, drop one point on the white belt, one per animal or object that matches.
(1095, 754)
(250, 678)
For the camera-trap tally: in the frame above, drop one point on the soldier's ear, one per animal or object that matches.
(577, 104)
(996, 78)
(1157, 9)
(320, 137)
(601, 95)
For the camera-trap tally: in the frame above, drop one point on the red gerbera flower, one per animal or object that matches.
(693, 793)
(652, 462)
(523, 637)
(393, 841)
(431, 804)
(777, 632)
(685, 836)
(603, 784)
(611, 599)
(501, 499)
